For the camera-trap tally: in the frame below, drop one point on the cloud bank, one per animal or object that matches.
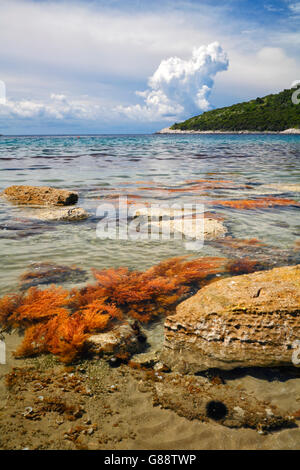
(180, 88)
(58, 107)
(97, 53)
(177, 89)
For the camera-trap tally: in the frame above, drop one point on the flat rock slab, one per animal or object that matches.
(231, 406)
(283, 188)
(251, 320)
(179, 223)
(40, 195)
(210, 229)
(56, 214)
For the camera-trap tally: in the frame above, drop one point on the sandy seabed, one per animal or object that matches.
(93, 406)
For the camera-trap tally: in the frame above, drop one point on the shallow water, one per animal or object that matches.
(155, 169)
(146, 168)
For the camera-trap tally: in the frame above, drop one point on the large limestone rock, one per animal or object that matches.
(242, 321)
(40, 195)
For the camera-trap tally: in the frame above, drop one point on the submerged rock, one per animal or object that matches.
(155, 336)
(210, 230)
(284, 188)
(18, 230)
(243, 321)
(183, 223)
(40, 195)
(157, 213)
(266, 256)
(66, 214)
(123, 339)
(196, 398)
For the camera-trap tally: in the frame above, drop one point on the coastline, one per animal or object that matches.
(168, 130)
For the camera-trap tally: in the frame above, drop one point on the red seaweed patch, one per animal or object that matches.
(60, 321)
(260, 203)
(51, 273)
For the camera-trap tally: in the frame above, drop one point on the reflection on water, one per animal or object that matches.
(148, 169)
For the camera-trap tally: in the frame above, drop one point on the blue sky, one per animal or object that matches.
(137, 66)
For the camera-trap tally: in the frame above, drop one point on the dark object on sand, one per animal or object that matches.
(216, 410)
(115, 362)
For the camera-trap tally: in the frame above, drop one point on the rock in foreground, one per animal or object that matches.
(251, 320)
(40, 195)
(229, 405)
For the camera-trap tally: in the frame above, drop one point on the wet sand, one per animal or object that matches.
(94, 406)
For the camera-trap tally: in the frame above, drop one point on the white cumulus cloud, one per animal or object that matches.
(180, 88)
(59, 107)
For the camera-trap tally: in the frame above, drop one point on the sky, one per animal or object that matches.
(136, 66)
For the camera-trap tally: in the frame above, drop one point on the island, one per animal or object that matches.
(275, 113)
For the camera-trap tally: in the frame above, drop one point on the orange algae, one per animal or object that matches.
(243, 266)
(155, 292)
(59, 321)
(210, 181)
(240, 242)
(195, 185)
(259, 203)
(33, 306)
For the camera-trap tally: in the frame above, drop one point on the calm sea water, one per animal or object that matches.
(145, 168)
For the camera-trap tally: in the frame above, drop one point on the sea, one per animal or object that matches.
(248, 183)
(149, 169)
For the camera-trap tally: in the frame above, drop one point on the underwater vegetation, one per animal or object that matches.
(51, 273)
(243, 266)
(59, 321)
(23, 228)
(197, 185)
(259, 203)
(240, 242)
